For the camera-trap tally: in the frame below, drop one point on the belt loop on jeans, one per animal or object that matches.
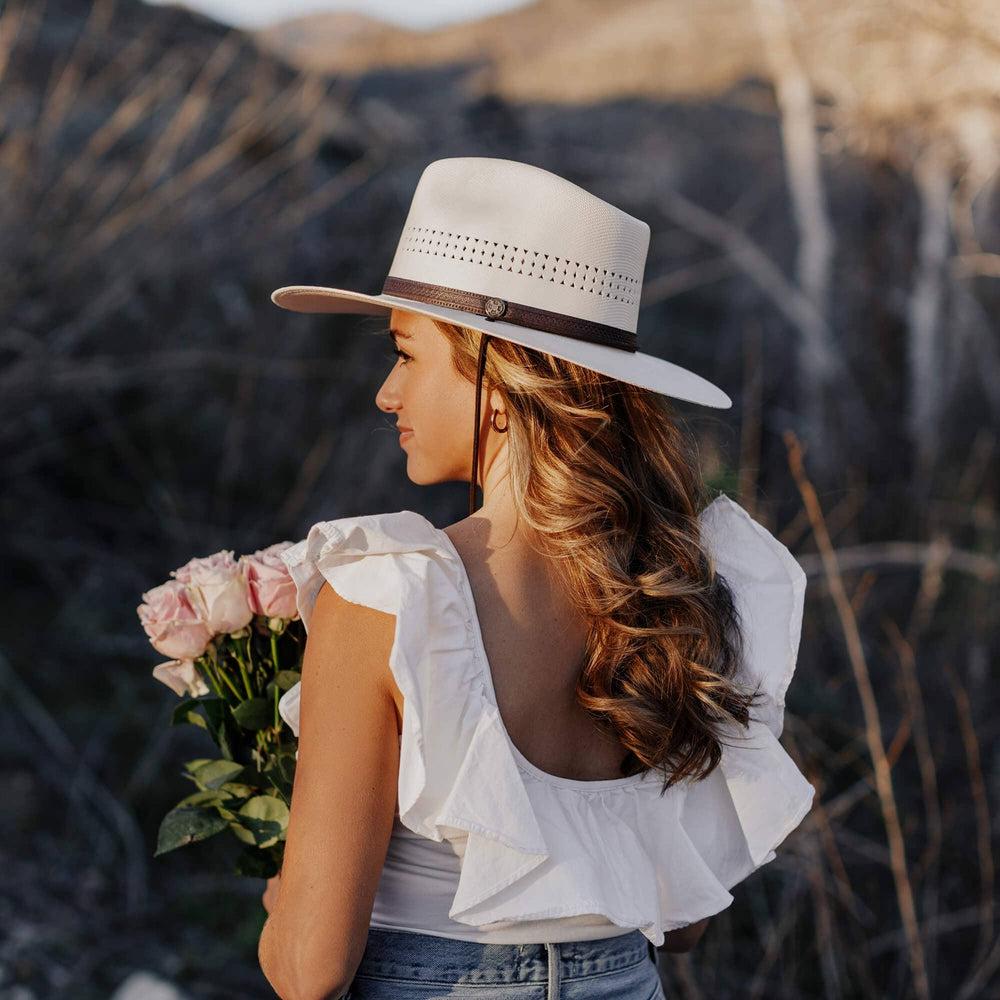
(552, 955)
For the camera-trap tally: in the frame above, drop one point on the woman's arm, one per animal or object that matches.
(343, 802)
(684, 938)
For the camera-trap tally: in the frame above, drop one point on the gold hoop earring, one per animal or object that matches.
(493, 422)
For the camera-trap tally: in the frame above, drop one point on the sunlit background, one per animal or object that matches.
(428, 14)
(821, 181)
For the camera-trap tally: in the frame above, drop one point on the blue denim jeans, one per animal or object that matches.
(405, 965)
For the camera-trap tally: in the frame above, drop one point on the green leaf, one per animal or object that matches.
(185, 825)
(204, 798)
(280, 767)
(220, 725)
(235, 789)
(179, 716)
(213, 773)
(232, 795)
(261, 821)
(254, 713)
(256, 863)
(197, 720)
(283, 681)
(186, 712)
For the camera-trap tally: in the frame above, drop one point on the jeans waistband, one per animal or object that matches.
(416, 956)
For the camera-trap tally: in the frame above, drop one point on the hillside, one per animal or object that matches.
(893, 63)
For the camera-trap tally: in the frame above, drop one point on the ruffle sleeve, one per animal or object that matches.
(538, 845)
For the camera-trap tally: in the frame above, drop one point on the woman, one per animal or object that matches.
(542, 742)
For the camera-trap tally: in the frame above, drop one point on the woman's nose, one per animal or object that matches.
(385, 399)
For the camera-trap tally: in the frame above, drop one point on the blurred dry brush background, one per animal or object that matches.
(822, 185)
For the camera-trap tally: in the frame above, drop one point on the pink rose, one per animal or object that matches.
(218, 591)
(173, 624)
(271, 588)
(182, 677)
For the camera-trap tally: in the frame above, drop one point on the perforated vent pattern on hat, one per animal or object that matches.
(520, 260)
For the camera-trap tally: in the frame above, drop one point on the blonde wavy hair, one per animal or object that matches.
(603, 474)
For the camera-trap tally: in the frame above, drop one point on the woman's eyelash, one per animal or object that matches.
(401, 354)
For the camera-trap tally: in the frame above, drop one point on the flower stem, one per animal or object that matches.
(221, 673)
(232, 687)
(243, 671)
(206, 671)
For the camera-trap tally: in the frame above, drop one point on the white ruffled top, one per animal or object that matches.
(538, 845)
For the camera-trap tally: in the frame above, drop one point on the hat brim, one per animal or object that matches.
(634, 367)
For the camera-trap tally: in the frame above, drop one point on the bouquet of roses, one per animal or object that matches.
(235, 638)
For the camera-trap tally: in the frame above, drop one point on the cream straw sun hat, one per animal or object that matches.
(523, 254)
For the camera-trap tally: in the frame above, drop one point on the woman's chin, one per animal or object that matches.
(420, 475)
(414, 472)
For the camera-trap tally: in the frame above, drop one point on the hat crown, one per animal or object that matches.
(513, 231)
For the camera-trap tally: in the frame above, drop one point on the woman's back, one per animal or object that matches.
(534, 640)
(513, 823)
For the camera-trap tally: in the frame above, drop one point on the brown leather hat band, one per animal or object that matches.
(511, 312)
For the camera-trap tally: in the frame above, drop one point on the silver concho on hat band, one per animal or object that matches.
(494, 308)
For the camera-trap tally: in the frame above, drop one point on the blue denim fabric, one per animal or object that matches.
(405, 965)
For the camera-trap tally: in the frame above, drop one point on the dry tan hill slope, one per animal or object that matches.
(931, 65)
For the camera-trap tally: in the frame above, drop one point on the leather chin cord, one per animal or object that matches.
(483, 343)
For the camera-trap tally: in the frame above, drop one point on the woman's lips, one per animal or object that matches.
(403, 435)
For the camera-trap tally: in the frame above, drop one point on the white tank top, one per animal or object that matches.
(486, 846)
(418, 884)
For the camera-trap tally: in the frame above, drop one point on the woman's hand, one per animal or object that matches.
(270, 897)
